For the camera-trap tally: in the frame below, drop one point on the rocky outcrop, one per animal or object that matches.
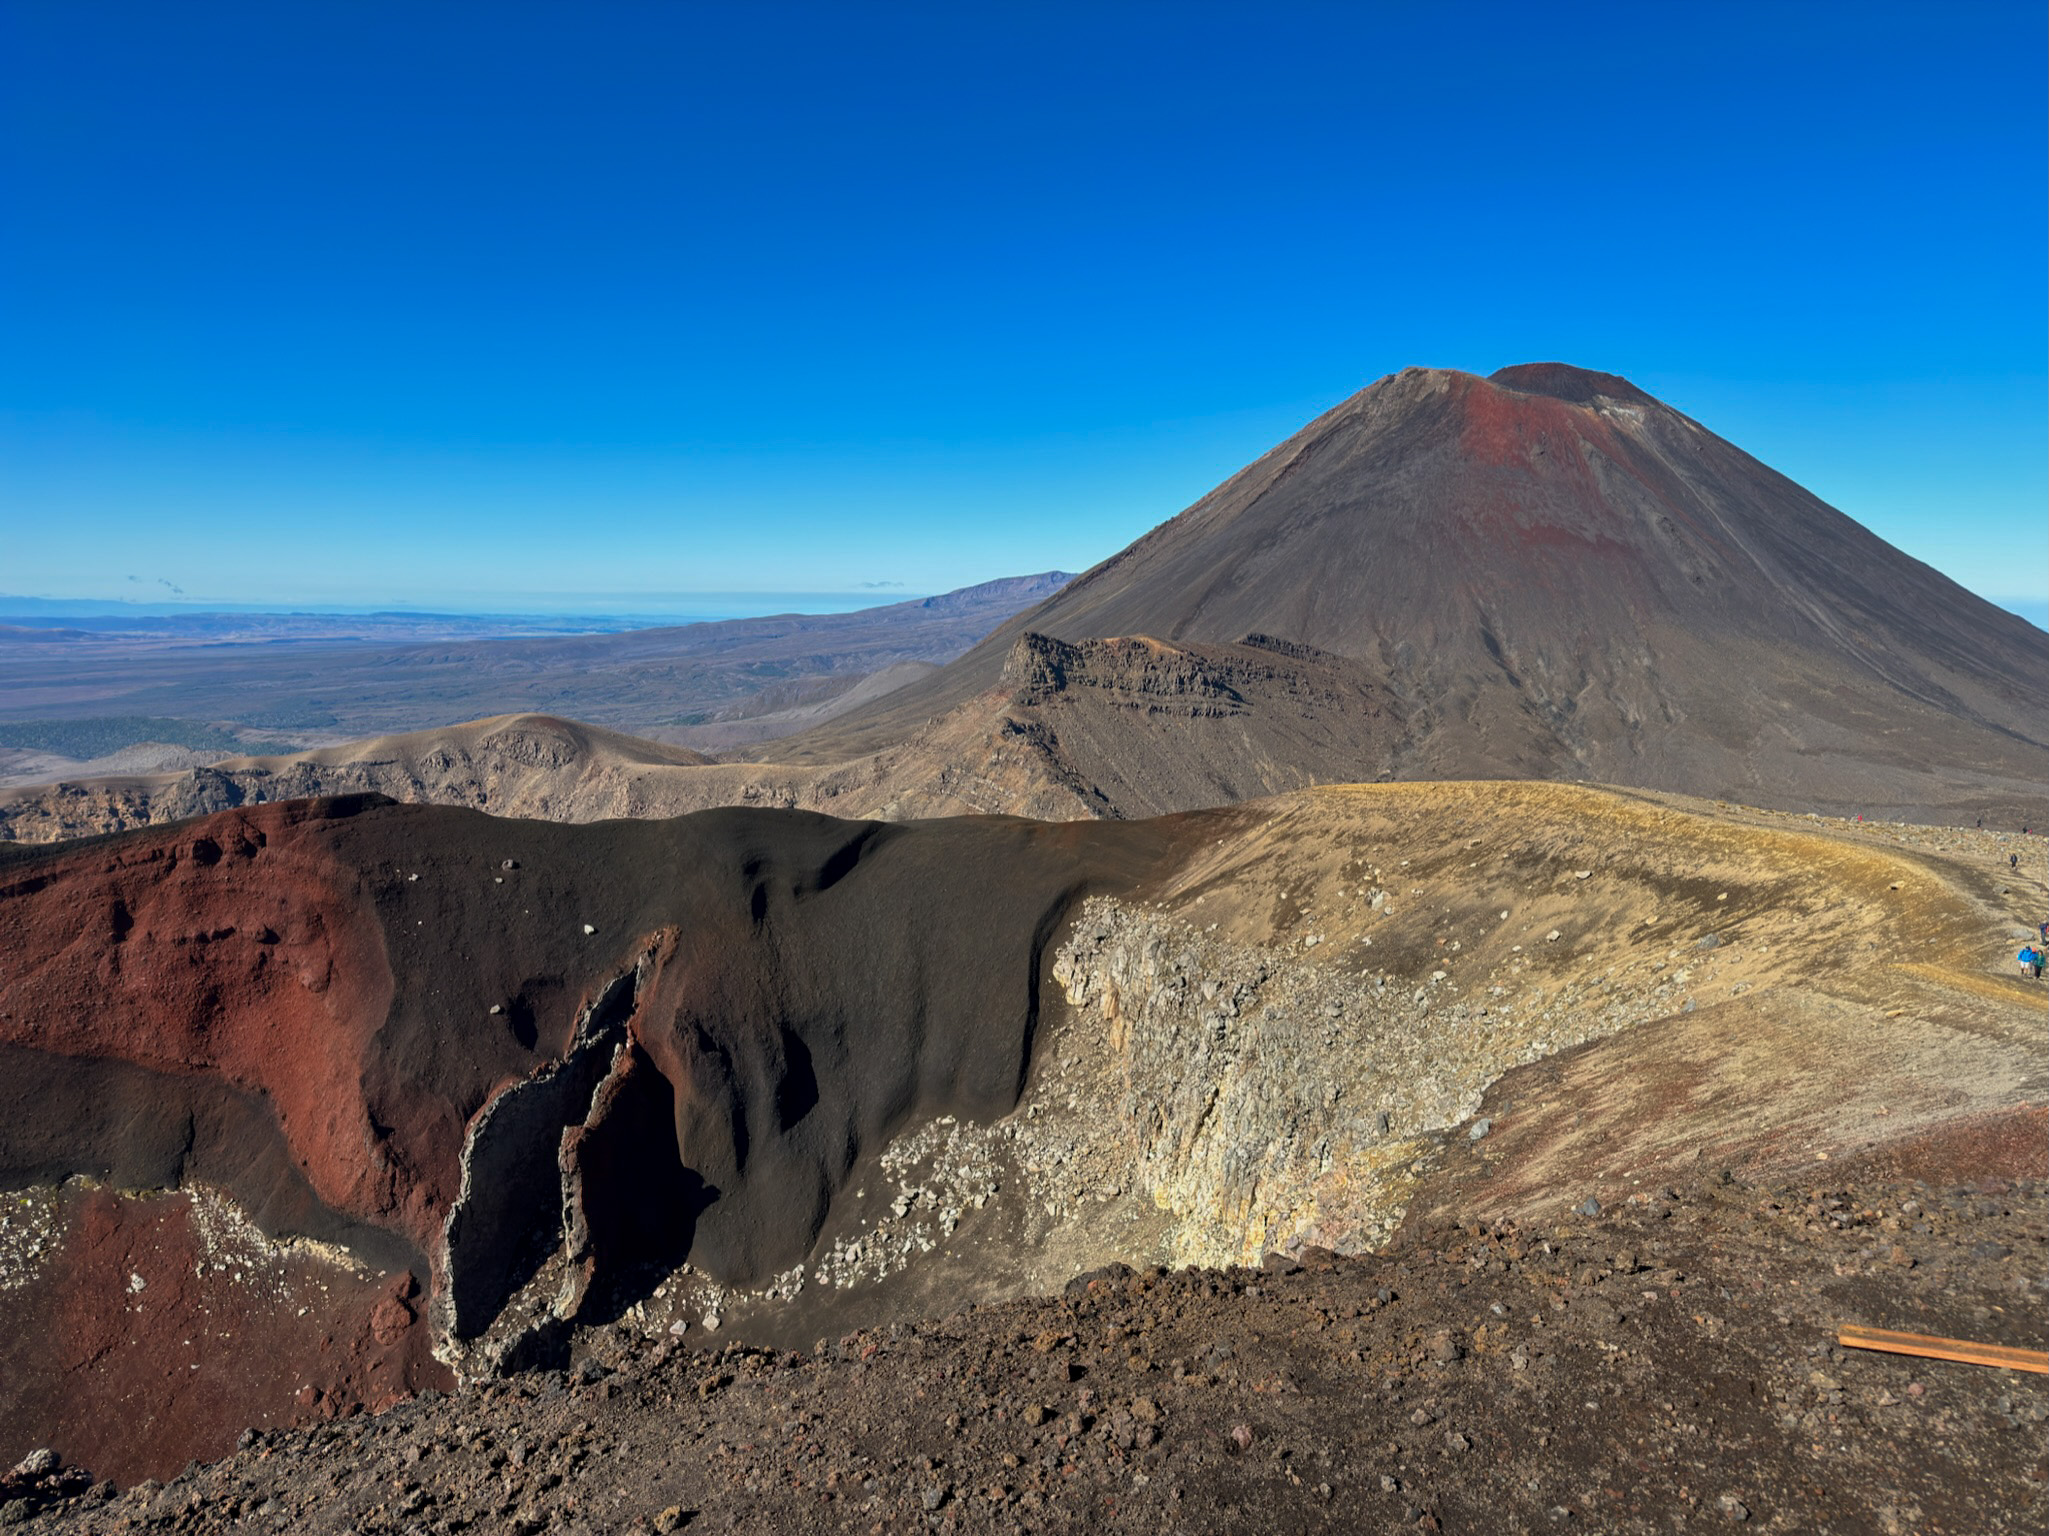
(1267, 1101)
(1138, 672)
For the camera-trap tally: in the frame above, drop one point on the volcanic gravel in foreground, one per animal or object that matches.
(1667, 1364)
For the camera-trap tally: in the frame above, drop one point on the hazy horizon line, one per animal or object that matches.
(613, 607)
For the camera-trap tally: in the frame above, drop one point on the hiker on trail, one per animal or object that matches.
(2031, 962)
(2013, 860)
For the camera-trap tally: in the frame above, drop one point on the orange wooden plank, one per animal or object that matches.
(1928, 1346)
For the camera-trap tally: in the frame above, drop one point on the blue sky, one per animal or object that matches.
(451, 304)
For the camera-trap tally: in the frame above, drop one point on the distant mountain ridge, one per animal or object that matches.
(664, 679)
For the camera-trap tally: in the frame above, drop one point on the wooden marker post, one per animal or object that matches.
(1929, 1347)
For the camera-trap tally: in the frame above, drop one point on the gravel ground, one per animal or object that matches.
(1666, 1364)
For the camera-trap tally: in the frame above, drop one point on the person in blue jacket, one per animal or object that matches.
(2031, 962)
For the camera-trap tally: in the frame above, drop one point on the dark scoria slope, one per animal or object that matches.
(380, 973)
(1555, 575)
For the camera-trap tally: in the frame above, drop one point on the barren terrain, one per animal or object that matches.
(1668, 1363)
(810, 1077)
(1201, 1059)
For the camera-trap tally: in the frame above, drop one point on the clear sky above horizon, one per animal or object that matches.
(445, 304)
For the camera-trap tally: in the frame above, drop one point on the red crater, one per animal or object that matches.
(390, 1059)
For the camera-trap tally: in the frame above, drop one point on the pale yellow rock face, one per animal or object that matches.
(1273, 1047)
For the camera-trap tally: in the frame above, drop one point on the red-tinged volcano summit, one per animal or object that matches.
(1553, 574)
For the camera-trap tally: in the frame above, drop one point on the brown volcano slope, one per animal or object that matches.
(1126, 728)
(1553, 575)
(469, 1088)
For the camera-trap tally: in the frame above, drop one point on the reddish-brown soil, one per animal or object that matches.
(155, 1338)
(240, 950)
